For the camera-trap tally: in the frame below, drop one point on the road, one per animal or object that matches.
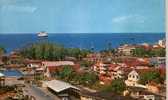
(38, 93)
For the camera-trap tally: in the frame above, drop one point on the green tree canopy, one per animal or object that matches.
(2, 50)
(141, 52)
(116, 86)
(67, 73)
(161, 52)
(89, 78)
(150, 76)
(86, 64)
(50, 51)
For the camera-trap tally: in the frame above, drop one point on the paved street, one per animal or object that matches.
(38, 93)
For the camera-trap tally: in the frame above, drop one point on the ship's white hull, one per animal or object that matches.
(42, 35)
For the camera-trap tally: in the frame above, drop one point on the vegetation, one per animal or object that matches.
(108, 52)
(86, 63)
(5, 59)
(68, 74)
(50, 51)
(38, 77)
(6, 89)
(2, 50)
(141, 52)
(158, 52)
(153, 76)
(116, 86)
(88, 78)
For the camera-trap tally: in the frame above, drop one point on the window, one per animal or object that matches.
(137, 77)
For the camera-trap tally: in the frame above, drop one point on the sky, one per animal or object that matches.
(82, 16)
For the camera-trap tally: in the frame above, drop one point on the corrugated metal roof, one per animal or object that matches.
(59, 86)
(1, 75)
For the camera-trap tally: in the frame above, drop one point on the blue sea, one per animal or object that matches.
(98, 41)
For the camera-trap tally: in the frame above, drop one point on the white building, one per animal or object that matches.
(162, 43)
(133, 78)
(157, 61)
(126, 50)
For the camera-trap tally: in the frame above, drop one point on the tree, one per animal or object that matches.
(117, 86)
(161, 52)
(2, 50)
(150, 76)
(50, 51)
(86, 64)
(67, 73)
(89, 78)
(5, 59)
(139, 52)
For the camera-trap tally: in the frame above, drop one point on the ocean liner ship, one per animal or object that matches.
(42, 34)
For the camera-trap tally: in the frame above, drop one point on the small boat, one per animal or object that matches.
(42, 34)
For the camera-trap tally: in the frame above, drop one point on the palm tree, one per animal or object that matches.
(2, 50)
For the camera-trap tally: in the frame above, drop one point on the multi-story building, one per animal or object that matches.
(126, 50)
(158, 61)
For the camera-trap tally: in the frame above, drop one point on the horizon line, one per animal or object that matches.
(88, 33)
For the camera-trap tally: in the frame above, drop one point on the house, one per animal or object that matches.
(133, 78)
(158, 61)
(87, 95)
(126, 50)
(62, 90)
(15, 58)
(153, 87)
(115, 71)
(50, 66)
(119, 74)
(33, 64)
(142, 94)
(133, 62)
(100, 67)
(93, 57)
(108, 72)
(104, 79)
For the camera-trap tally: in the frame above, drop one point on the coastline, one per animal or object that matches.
(84, 41)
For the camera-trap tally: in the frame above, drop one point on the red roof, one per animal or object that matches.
(112, 66)
(53, 69)
(135, 62)
(33, 61)
(105, 79)
(57, 63)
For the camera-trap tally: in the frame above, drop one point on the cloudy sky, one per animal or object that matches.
(81, 16)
